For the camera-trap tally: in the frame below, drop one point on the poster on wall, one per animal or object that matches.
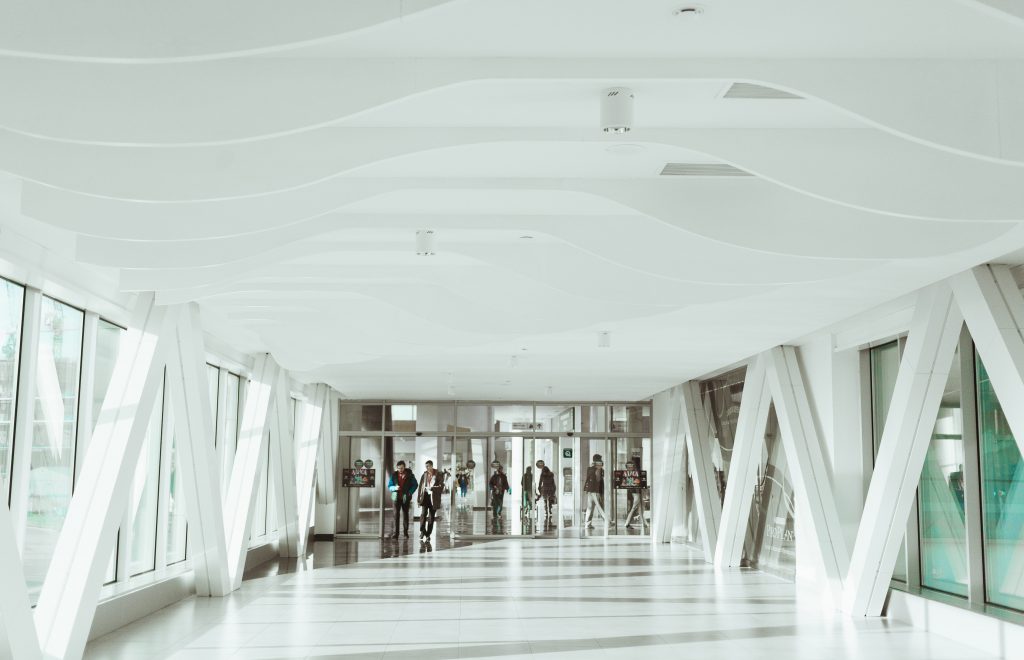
(358, 477)
(630, 479)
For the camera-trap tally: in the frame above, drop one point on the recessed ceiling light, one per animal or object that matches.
(689, 13)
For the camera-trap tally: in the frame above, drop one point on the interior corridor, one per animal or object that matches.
(591, 598)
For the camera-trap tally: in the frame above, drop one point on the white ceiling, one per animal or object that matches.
(276, 169)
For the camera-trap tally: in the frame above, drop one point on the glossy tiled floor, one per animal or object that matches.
(568, 598)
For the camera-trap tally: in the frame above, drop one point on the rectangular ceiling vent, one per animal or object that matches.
(742, 90)
(702, 169)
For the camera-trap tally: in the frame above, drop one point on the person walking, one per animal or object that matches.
(429, 498)
(402, 485)
(499, 486)
(527, 492)
(594, 488)
(546, 488)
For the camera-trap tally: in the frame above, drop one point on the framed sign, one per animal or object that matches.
(630, 479)
(358, 477)
(567, 452)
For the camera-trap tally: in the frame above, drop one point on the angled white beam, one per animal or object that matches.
(70, 591)
(697, 428)
(746, 454)
(924, 371)
(282, 467)
(993, 309)
(812, 485)
(241, 495)
(16, 623)
(308, 439)
(670, 480)
(327, 452)
(200, 474)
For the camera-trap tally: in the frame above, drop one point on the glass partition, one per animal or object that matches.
(633, 418)
(51, 475)
(361, 417)
(941, 497)
(12, 300)
(721, 396)
(419, 418)
(771, 537)
(1002, 481)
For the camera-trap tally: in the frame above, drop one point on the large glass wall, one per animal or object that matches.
(52, 462)
(941, 496)
(770, 544)
(12, 300)
(145, 490)
(1002, 488)
(721, 396)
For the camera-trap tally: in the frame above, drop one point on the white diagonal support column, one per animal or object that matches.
(67, 602)
(187, 387)
(812, 485)
(697, 427)
(241, 493)
(308, 437)
(993, 308)
(746, 453)
(282, 469)
(327, 451)
(924, 370)
(25, 409)
(16, 623)
(671, 478)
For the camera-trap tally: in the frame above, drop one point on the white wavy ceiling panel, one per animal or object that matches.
(243, 157)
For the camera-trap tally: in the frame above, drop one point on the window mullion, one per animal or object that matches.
(972, 474)
(24, 416)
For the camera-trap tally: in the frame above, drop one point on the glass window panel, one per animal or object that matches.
(1002, 487)
(230, 435)
(213, 385)
(12, 300)
(941, 497)
(721, 397)
(885, 365)
(108, 345)
(145, 489)
(770, 544)
(259, 523)
(421, 417)
(176, 521)
(632, 418)
(502, 419)
(52, 462)
(361, 417)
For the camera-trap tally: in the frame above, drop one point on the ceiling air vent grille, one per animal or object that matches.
(751, 91)
(701, 169)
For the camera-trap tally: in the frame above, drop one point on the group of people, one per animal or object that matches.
(428, 491)
(403, 486)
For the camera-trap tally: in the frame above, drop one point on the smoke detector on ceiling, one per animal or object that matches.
(617, 110)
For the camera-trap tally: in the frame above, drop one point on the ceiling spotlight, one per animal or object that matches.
(451, 390)
(689, 13)
(425, 242)
(513, 361)
(548, 391)
(604, 339)
(617, 110)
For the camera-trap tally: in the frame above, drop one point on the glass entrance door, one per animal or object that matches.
(402, 506)
(359, 486)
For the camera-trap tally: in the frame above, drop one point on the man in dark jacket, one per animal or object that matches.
(499, 486)
(547, 488)
(402, 485)
(430, 487)
(594, 488)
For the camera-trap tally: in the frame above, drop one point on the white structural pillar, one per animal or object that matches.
(193, 421)
(671, 478)
(697, 428)
(25, 408)
(70, 591)
(924, 370)
(812, 485)
(308, 438)
(993, 308)
(282, 468)
(16, 624)
(746, 455)
(241, 492)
